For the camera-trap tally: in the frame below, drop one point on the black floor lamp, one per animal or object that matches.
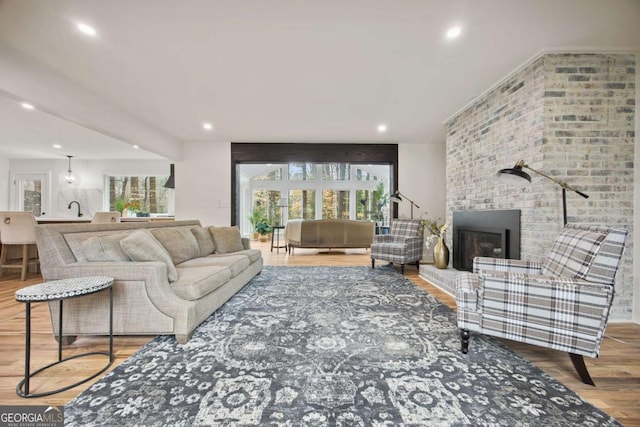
(517, 173)
(397, 198)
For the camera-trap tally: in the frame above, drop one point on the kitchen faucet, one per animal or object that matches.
(77, 203)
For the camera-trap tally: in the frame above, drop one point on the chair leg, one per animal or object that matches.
(402, 268)
(464, 341)
(373, 263)
(418, 265)
(578, 363)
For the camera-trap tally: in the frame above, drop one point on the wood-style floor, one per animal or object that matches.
(616, 373)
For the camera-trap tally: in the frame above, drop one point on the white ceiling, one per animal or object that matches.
(276, 70)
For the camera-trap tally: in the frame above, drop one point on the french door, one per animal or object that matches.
(30, 193)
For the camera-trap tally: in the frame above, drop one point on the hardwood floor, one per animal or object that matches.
(616, 373)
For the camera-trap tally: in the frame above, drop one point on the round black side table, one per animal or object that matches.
(60, 290)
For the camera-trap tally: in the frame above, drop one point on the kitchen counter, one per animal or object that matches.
(56, 220)
(85, 219)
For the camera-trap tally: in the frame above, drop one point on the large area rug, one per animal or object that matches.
(338, 346)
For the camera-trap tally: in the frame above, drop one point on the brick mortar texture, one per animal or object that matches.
(570, 116)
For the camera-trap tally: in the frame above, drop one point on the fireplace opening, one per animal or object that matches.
(484, 242)
(486, 233)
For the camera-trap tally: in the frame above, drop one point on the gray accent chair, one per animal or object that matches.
(402, 245)
(562, 303)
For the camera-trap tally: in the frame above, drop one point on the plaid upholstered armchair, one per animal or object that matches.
(562, 303)
(402, 245)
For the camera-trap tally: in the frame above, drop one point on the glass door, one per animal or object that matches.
(30, 193)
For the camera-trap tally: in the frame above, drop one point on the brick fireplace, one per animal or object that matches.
(571, 115)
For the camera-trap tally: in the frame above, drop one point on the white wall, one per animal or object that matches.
(421, 177)
(203, 181)
(4, 184)
(91, 185)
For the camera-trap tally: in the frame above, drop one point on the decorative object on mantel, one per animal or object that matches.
(397, 198)
(435, 235)
(518, 173)
(440, 250)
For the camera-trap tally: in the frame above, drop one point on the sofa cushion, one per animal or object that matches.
(104, 248)
(572, 253)
(253, 254)
(179, 242)
(236, 263)
(142, 246)
(194, 283)
(205, 240)
(226, 239)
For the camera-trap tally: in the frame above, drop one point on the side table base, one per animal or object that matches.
(19, 389)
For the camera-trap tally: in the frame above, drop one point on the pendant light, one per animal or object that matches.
(69, 176)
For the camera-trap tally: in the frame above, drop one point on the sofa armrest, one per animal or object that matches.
(246, 243)
(545, 310)
(507, 265)
(152, 274)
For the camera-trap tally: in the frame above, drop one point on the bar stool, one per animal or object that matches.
(18, 229)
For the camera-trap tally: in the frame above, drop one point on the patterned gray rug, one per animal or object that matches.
(329, 346)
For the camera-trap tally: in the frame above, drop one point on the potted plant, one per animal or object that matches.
(254, 218)
(263, 229)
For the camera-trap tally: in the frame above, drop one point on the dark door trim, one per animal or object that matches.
(256, 152)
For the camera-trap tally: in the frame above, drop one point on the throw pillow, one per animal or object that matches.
(572, 253)
(179, 242)
(104, 248)
(142, 246)
(226, 239)
(205, 240)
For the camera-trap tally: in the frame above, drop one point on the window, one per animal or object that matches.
(335, 172)
(302, 171)
(274, 175)
(139, 194)
(335, 204)
(302, 204)
(267, 202)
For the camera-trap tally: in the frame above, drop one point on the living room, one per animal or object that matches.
(135, 98)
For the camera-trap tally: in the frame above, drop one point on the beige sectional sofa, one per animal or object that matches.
(169, 276)
(329, 233)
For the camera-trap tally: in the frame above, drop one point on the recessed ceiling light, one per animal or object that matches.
(136, 147)
(207, 126)
(86, 29)
(57, 146)
(382, 128)
(453, 32)
(27, 106)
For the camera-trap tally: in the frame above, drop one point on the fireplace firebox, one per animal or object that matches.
(494, 233)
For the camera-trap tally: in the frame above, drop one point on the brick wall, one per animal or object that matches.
(570, 116)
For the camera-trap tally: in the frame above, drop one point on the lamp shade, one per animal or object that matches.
(514, 175)
(395, 198)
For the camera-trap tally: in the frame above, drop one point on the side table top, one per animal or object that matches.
(64, 288)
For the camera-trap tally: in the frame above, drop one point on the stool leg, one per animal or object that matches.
(25, 262)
